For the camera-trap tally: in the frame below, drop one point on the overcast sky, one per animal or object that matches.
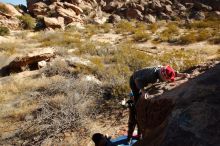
(15, 2)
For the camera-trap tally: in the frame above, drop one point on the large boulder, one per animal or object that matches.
(77, 9)
(39, 8)
(68, 14)
(54, 22)
(31, 2)
(187, 115)
(9, 9)
(215, 4)
(202, 7)
(168, 9)
(30, 61)
(156, 5)
(134, 14)
(197, 15)
(114, 18)
(149, 18)
(111, 7)
(12, 23)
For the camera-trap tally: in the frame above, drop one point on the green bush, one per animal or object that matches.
(181, 59)
(4, 31)
(27, 21)
(203, 35)
(129, 55)
(188, 38)
(169, 33)
(195, 36)
(124, 27)
(153, 27)
(59, 38)
(140, 35)
(203, 24)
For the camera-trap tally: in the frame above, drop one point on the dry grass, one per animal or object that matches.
(54, 105)
(59, 38)
(188, 38)
(9, 48)
(124, 27)
(170, 33)
(4, 31)
(153, 27)
(182, 59)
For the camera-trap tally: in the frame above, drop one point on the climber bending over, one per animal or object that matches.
(140, 79)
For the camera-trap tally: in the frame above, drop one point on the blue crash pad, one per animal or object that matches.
(121, 141)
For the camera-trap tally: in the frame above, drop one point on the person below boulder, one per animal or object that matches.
(101, 140)
(141, 79)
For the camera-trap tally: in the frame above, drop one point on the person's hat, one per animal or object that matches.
(167, 73)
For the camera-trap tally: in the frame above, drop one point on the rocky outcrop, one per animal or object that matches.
(148, 11)
(54, 22)
(186, 115)
(9, 9)
(39, 8)
(8, 16)
(214, 4)
(29, 61)
(53, 10)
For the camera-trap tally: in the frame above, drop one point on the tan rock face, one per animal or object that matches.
(54, 22)
(29, 60)
(75, 8)
(134, 14)
(38, 8)
(150, 18)
(9, 9)
(12, 23)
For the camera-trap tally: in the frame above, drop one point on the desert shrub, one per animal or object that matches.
(9, 47)
(203, 24)
(99, 65)
(4, 31)
(57, 67)
(129, 55)
(27, 21)
(188, 38)
(140, 35)
(59, 38)
(153, 27)
(106, 27)
(181, 59)
(90, 30)
(215, 39)
(141, 25)
(115, 81)
(193, 36)
(169, 33)
(203, 35)
(93, 48)
(140, 32)
(62, 106)
(124, 27)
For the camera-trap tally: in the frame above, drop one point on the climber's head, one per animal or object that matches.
(167, 73)
(99, 139)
